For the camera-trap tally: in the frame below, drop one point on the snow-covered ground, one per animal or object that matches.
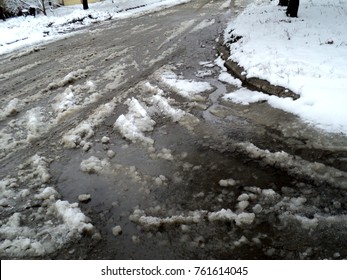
(307, 54)
(25, 31)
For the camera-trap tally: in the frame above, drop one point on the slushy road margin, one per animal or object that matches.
(172, 270)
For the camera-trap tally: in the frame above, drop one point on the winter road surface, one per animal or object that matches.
(116, 143)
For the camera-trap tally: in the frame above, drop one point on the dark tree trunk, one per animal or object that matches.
(43, 7)
(2, 13)
(283, 3)
(293, 7)
(85, 4)
(32, 11)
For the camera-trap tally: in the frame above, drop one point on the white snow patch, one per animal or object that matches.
(245, 96)
(35, 123)
(40, 168)
(133, 124)
(85, 129)
(192, 217)
(12, 108)
(187, 88)
(94, 165)
(244, 219)
(305, 54)
(222, 215)
(318, 172)
(203, 24)
(227, 182)
(72, 216)
(227, 78)
(117, 230)
(163, 106)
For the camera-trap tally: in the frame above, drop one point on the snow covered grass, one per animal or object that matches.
(25, 31)
(307, 54)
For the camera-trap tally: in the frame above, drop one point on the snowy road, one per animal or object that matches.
(116, 143)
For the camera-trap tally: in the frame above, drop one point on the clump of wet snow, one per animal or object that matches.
(75, 136)
(207, 64)
(69, 78)
(204, 73)
(65, 100)
(72, 99)
(35, 121)
(105, 140)
(133, 124)
(227, 182)
(13, 107)
(160, 180)
(94, 165)
(222, 215)
(226, 4)
(244, 218)
(224, 76)
(192, 217)
(84, 197)
(148, 222)
(85, 129)
(189, 89)
(227, 78)
(73, 218)
(165, 154)
(295, 165)
(110, 153)
(162, 105)
(245, 96)
(38, 172)
(43, 223)
(117, 230)
(242, 241)
(47, 193)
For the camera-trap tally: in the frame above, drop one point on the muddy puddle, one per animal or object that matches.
(205, 201)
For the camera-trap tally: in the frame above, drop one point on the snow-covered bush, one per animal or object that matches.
(15, 7)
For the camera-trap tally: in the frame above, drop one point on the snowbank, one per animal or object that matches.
(307, 54)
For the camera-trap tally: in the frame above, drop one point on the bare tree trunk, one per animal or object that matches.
(283, 3)
(2, 13)
(85, 4)
(293, 7)
(43, 7)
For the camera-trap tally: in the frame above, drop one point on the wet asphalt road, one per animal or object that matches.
(298, 197)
